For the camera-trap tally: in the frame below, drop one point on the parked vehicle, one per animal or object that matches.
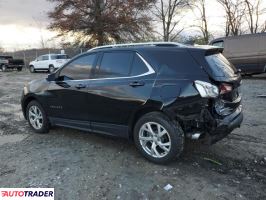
(7, 62)
(49, 62)
(153, 93)
(246, 52)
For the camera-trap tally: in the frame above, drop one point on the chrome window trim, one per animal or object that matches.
(149, 67)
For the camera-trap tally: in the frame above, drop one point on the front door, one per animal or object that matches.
(68, 94)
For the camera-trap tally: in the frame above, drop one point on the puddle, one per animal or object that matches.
(11, 138)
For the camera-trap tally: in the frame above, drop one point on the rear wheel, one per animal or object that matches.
(37, 118)
(51, 69)
(32, 69)
(19, 69)
(157, 138)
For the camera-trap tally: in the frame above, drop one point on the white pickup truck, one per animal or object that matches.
(49, 62)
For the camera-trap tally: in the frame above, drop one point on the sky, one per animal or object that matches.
(23, 23)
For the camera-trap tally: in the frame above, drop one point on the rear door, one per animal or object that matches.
(39, 63)
(121, 84)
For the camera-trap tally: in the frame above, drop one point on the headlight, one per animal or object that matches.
(206, 89)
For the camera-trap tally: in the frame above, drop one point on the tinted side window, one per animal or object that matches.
(218, 44)
(176, 62)
(138, 66)
(45, 57)
(115, 64)
(58, 57)
(79, 68)
(220, 66)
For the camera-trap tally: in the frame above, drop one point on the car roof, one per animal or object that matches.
(151, 46)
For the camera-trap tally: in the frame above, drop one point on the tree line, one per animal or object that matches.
(99, 22)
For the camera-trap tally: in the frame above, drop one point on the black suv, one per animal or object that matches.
(153, 93)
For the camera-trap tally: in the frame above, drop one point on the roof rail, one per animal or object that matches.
(139, 44)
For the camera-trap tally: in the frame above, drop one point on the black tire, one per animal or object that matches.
(51, 69)
(19, 69)
(45, 122)
(175, 133)
(32, 69)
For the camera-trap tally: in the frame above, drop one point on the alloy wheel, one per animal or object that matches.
(35, 117)
(155, 139)
(51, 69)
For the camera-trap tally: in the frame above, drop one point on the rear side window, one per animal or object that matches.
(58, 57)
(115, 64)
(138, 66)
(218, 44)
(176, 62)
(45, 57)
(220, 66)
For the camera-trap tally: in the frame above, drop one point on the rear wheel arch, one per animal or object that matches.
(138, 114)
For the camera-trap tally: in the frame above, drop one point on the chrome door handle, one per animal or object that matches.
(137, 84)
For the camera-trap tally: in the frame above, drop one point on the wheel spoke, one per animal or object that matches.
(161, 133)
(145, 138)
(38, 123)
(154, 150)
(150, 128)
(163, 146)
(35, 109)
(31, 113)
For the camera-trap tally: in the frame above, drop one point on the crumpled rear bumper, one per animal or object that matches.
(224, 126)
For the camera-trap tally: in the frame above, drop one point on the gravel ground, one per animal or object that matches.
(82, 165)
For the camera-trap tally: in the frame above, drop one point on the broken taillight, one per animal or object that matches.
(225, 88)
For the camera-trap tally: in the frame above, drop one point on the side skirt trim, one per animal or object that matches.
(102, 128)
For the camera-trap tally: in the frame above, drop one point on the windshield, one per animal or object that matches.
(58, 57)
(220, 66)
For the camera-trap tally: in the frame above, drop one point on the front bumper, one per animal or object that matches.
(224, 126)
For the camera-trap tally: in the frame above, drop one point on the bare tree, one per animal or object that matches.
(235, 12)
(39, 25)
(200, 6)
(168, 13)
(97, 22)
(254, 12)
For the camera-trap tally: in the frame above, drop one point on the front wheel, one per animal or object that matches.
(32, 69)
(51, 69)
(158, 139)
(37, 118)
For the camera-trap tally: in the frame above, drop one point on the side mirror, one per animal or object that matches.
(51, 77)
